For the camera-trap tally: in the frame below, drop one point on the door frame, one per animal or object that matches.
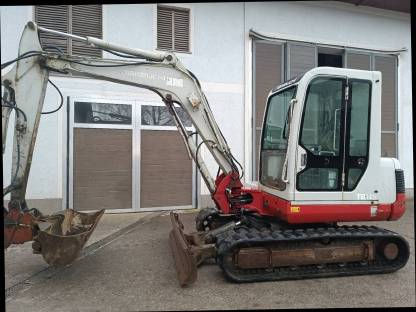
(135, 147)
(316, 195)
(345, 133)
(136, 128)
(141, 127)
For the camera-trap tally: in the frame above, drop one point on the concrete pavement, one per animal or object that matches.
(135, 271)
(21, 263)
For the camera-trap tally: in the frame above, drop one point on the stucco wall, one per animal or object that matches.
(45, 180)
(344, 24)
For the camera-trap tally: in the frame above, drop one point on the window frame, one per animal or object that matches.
(255, 168)
(321, 47)
(69, 41)
(293, 86)
(310, 156)
(266, 110)
(180, 6)
(348, 157)
(396, 102)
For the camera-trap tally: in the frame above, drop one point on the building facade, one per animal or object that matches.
(113, 146)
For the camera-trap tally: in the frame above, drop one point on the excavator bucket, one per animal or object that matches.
(186, 265)
(66, 233)
(189, 251)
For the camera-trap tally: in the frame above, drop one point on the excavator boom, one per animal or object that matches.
(24, 91)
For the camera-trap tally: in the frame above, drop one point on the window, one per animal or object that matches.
(360, 114)
(330, 57)
(387, 65)
(321, 122)
(358, 132)
(102, 113)
(80, 20)
(321, 135)
(268, 70)
(275, 139)
(331, 60)
(299, 59)
(334, 133)
(284, 59)
(173, 29)
(160, 116)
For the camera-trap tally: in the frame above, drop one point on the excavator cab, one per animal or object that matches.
(320, 144)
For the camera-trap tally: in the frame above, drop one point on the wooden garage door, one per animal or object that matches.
(102, 168)
(165, 170)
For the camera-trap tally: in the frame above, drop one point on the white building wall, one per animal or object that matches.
(216, 58)
(220, 58)
(346, 25)
(45, 180)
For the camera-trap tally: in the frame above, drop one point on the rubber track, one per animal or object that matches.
(228, 243)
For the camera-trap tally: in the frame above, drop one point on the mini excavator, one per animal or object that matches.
(320, 165)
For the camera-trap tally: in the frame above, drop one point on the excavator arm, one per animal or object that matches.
(161, 72)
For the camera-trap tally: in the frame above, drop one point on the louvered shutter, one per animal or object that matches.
(173, 29)
(86, 21)
(387, 66)
(301, 59)
(164, 29)
(81, 20)
(181, 31)
(55, 17)
(267, 75)
(358, 60)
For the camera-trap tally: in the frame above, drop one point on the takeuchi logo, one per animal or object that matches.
(170, 81)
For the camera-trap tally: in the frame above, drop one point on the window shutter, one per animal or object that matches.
(164, 29)
(86, 21)
(173, 29)
(81, 20)
(54, 17)
(301, 59)
(267, 75)
(181, 30)
(358, 61)
(387, 66)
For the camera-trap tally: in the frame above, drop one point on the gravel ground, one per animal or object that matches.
(135, 271)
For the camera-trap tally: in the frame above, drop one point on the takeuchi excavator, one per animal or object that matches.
(320, 165)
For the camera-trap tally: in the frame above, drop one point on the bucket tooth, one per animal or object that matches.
(61, 242)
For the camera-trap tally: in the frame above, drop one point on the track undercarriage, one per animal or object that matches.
(251, 248)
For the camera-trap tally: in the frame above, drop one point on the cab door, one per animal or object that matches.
(333, 145)
(320, 152)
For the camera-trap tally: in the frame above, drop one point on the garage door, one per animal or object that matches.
(165, 170)
(129, 157)
(102, 168)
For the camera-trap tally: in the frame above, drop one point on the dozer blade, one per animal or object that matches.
(61, 242)
(185, 261)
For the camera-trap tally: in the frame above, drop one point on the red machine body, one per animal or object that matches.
(229, 186)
